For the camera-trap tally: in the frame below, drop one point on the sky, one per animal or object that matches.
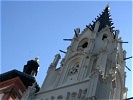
(32, 29)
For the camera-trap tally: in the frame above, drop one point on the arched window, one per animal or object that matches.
(73, 96)
(60, 97)
(104, 36)
(94, 61)
(83, 44)
(80, 93)
(68, 96)
(52, 97)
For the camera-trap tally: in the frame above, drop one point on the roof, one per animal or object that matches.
(104, 19)
(25, 78)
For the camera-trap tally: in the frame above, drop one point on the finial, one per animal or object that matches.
(37, 59)
(107, 6)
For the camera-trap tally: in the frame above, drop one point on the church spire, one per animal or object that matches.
(104, 19)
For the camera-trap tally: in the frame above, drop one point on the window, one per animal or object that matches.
(80, 93)
(60, 97)
(52, 97)
(68, 96)
(83, 44)
(104, 36)
(94, 61)
(74, 94)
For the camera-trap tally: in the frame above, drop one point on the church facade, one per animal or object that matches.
(92, 69)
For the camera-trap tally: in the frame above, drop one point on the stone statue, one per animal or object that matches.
(101, 63)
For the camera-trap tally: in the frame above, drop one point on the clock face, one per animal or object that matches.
(74, 69)
(73, 73)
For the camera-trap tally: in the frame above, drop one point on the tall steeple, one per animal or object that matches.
(92, 68)
(104, 19)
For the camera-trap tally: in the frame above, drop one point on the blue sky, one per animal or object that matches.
(32, 29)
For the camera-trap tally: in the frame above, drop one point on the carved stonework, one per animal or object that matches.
(56, 60)
(52, 97)
(30, 92)
(84, 94)
(92, 67)
(68, 96)
(77, 30)
(80, 93)
(101, 64)
(60, 97)
(74, 94)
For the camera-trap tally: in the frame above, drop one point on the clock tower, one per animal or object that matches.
(93, 66)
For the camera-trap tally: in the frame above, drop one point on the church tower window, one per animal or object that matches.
(60, 97)
(74, 94)
(83, 44)
(52, 97)
(104, 36)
